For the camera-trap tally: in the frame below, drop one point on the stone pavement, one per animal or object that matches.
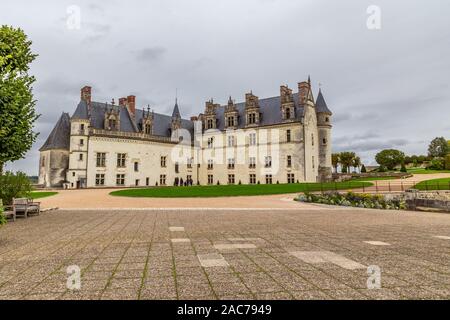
(207, 254)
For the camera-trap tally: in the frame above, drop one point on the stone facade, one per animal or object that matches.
(283, 139)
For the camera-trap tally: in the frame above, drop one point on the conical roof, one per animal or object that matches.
(59, 138)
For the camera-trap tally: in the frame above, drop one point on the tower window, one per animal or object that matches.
(288, 135)
(289, 161)
(288, 113)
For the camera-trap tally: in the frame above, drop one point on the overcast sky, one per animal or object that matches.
(387, 87)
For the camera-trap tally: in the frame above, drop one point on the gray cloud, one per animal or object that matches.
(150, 54)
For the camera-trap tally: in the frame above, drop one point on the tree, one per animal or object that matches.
(346, 160)
(356, 163)
(363, 169)
(17, 112)
(438, 147)
(335, 161)
(390, 158)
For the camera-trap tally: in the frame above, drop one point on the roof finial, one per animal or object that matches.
(309, 79)
(112, 101)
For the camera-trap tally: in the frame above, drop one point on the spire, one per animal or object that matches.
(321, 105)
(176, 110)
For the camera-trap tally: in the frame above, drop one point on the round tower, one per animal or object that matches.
(324, 127)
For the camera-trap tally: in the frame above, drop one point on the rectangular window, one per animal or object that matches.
(177, 167)
(121, 160)
(81, 142)
(251, 118)
(163, 162)
(210, 179)
(162, 179)
(210, 164)
(289, 161)
(252, 139)
(210, 143)
(252, 179)
(231, 121)
(80, 157)
(136, 183)
(312, 138)
(136, 166)
(189, 163)
(82, 127)
(313, 163)
(231, 163)
(147, 181)
(288, 135)
(120, 179)
(100, 179)
(101, 159)
(210, 123)
(252, 163)
(268, 162)
(231, 141)
(290, 178)
(231, 179)
(268, 179)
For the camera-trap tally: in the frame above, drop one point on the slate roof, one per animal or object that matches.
(59, 138)
(269, 109)
(321, 105)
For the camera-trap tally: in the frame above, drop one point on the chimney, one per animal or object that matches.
(86, 94)
(122, 102)
(131, 102)
(303, 89)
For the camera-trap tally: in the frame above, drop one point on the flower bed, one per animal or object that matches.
(351, 199)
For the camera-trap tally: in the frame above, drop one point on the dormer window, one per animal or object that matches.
(288, 113)
(230, 122)
(148, 129)
(112, 124)
(210, 124)
(251, 118)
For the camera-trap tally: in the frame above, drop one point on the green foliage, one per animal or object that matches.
(351, 199)
(403, 168)
(438, 147)
(447, 162)
(335, 160)
(14, 186)
(390, 158)
(363, 169)
(346, 160)
(2, 217)
(17, 112)
(437, 164)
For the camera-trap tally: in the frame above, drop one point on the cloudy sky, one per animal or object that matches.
(387, 88)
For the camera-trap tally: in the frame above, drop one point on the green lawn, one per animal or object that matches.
(375, 178)
(425, 171)
(42, 194)
(435, 184)
(236, 190)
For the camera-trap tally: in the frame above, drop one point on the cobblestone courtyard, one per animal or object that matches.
(234, 254)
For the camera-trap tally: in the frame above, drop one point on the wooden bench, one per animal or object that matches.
(8, 211)
(25, 207)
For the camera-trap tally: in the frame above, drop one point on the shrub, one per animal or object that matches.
(437, 164)
(403, 168)
(2, 217)
(363, 169)
(354, 200)
(14, 186)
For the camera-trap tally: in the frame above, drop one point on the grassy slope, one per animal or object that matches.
(235, 190)
(42, 194)
(424, 171)
(435, 184)
(375, 178)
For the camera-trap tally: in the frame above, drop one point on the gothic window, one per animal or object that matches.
(148, 129)
(252, 118)
(112, 124)
(288, 113)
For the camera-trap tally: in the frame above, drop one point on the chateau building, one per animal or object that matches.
(283, 139)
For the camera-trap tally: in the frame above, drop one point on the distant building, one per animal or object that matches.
(282, 139)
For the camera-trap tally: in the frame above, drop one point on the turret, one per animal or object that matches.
(324, 127)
